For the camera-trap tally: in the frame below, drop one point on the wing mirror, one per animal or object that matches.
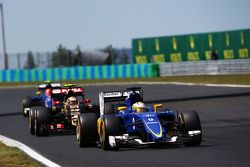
(157, 106)
(122, 108)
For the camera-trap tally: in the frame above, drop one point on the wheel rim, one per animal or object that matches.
(102, 138)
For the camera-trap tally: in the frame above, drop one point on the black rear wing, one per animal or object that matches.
(116, 96)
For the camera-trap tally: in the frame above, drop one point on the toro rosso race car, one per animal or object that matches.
(39, 97)
(125, 120)
(60, 110)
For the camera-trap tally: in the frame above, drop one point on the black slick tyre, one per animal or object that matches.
(42, 120)
(86, 129)
(191, 122)
(32, 120)
(109, 109)
(26, 103)
(110, 127)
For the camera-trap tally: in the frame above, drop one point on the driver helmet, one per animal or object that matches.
(48, 91)
(72, 100)
(139, 107)
(70, 93)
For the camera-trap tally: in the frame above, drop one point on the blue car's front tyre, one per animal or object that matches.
(190, 123)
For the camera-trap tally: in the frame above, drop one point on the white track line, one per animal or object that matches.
(170, 83)
(13, 143)
(146, 83)
(200, 84)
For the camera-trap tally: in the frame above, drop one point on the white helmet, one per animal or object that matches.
(139, 107)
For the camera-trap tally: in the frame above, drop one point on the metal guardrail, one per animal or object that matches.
(211, 67)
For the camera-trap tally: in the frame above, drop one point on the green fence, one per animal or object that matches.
(192, 47)
(81, 73)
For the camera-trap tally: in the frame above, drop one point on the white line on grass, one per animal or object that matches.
(13, 143)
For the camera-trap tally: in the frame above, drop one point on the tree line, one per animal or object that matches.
(64, 57)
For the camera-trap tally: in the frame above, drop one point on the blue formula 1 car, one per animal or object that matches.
(38, 98)
(125, 120)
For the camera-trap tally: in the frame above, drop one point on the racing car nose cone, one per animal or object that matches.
(155, 129)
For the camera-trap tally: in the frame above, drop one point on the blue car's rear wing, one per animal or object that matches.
(116, 96)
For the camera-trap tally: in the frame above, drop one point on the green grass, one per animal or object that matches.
(215, 79)
(12, 157)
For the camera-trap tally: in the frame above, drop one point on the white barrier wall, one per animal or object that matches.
(211, 67)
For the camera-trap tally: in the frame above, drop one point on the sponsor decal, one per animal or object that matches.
(152, 123)
(126, 93)
(150, 119)
(112, 94)
(77, 90)
(56, 91)
(149, 115)
(63, 90)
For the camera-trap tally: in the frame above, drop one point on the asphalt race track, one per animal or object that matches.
(224, 114)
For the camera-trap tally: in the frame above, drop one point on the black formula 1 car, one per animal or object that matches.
(60, 112)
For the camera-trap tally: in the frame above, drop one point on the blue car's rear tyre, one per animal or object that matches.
(109, 109)
(86, 129)
(110, 127)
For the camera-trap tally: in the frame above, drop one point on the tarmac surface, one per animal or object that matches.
(224, 113)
